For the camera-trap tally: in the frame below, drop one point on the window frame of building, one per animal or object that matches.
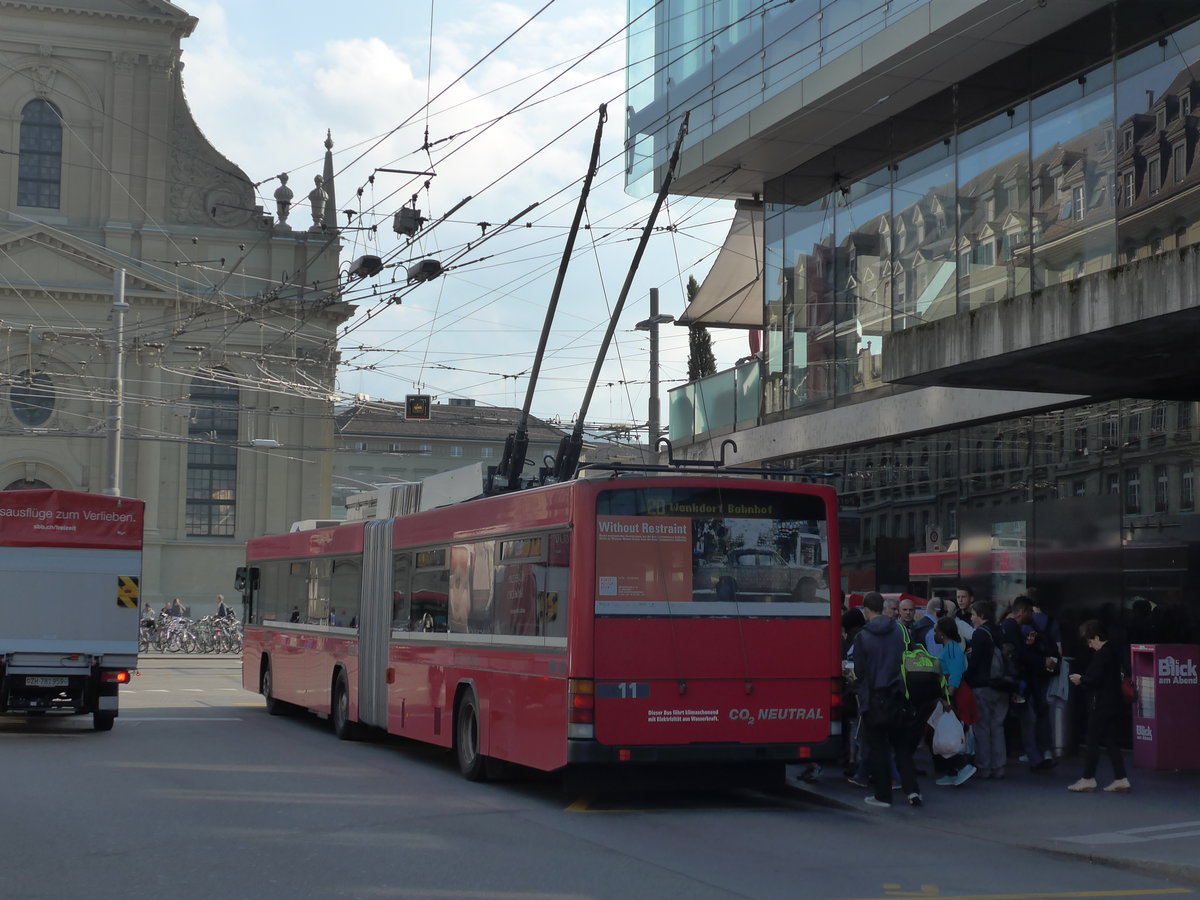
(1162, 484)
(1158, 417)
(1179, 160)
(1154, 175)
(39, 165)
(32, 398)
(210, 507)
(456, 451)
(1079, 202)
(1133, 491)
(1129, 187)
(1111, 432)
(1187, 487)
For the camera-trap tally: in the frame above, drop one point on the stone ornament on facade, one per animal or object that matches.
(283, 202)
(317, 198)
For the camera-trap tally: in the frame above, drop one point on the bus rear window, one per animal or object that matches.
(691, 551)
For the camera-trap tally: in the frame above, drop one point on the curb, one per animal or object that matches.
(1180, 872)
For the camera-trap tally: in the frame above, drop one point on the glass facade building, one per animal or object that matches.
(1093, 174)
(984, 194)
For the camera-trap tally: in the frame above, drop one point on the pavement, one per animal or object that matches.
(1152, 829)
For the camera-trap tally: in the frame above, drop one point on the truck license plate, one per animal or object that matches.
(46, 681)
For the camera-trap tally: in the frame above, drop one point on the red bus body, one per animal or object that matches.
(571, 615)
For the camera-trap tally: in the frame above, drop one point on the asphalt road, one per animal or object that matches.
(198, 793)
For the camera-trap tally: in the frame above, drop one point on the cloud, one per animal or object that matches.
(265, 88)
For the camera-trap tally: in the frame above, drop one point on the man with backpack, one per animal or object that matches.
(992, 682)
(888, 716)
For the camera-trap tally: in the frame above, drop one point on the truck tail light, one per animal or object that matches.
(581, 701)
(120, 676)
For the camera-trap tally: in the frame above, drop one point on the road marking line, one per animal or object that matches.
(134, 720)
(1137, 835)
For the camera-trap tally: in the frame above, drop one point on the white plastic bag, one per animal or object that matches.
(949, 739)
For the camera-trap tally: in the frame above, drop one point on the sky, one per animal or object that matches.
(507, 127)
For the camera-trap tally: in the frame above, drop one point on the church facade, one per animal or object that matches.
(207, 392)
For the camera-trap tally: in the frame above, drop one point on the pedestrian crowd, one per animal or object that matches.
(950, 678)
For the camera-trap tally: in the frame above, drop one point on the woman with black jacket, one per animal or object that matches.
(1102, 683)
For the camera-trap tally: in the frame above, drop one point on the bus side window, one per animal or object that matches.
(401, 568)
(429, 606)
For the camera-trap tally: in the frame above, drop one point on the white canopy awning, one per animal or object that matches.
(731, 296)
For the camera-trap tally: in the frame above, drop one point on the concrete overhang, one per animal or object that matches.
(889, 75)
(1131, 331)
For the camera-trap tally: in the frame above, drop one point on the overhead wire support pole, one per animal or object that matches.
(117, 385)
(508, 473)
(571, 446)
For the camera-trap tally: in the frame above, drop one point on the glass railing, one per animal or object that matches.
(724, 400)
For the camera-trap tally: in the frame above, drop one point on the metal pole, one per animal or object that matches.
(116, 405)
(655, 412)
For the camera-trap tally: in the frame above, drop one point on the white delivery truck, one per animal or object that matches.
(70, 565)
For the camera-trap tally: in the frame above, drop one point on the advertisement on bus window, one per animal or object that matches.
(746, 556)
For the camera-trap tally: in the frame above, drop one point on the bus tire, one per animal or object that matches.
(275, 706)
(471, 762)
(726, 590)
(339, 710)
(103, 719)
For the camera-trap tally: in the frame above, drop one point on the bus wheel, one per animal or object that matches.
(339, 711)
(275, 706)
(471, 762)
(102, 720)
(726, 590)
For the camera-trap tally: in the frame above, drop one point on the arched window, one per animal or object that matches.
(31, 398)
(212, 459)
(24, 484)
(39, 172)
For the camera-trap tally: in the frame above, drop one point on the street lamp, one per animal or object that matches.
(651, 325)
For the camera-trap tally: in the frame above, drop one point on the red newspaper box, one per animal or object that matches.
(1166, 709)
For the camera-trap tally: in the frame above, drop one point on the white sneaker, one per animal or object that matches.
(1083, 786)
(1120, 786)
(872, 801)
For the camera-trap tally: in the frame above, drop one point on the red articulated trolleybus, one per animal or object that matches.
(634, 617)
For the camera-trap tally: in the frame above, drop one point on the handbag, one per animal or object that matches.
(1128, 689)
(889, 708)
(965, 706)
(949, 738)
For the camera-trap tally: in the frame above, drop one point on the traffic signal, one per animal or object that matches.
(416, 406)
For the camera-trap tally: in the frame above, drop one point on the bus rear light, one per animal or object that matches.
(805, 752)
(391, 676)
(581, 700)
(118, 677)
(624, 756)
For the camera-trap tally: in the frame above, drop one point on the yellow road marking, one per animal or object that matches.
(928, 890)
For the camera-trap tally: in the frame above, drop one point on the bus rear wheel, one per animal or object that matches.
(103, 719)
(471, 762)
(339, 711)
(275, 706)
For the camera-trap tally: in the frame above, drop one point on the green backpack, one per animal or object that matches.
(921, 673)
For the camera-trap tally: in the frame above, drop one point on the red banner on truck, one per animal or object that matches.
(50, 518)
